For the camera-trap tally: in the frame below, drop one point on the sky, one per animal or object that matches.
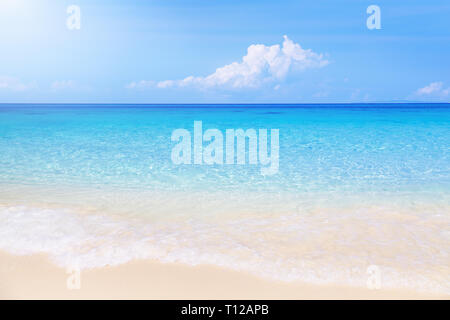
(224, 51)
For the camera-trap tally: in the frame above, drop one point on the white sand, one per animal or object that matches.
(34, 277)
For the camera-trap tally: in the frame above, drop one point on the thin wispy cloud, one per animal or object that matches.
(434, 88)
(435, 91)
(143, 84)
(15, 84)
(68, 85)
(63, 84)
(261, 65)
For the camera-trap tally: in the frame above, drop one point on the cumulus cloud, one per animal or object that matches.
(435, 89)
(14, 84)
(262, 64)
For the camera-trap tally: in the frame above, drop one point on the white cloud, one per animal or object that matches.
(262, 64)
(165, 84)
(69, 85)
(63, 84)
(435, 89)
(14, 84)
(141, 84)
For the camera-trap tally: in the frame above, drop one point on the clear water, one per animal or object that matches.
(358, 185)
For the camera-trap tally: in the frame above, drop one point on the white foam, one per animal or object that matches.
(319, 248)
(87, 241)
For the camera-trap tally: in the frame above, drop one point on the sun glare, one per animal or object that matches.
(7, 5)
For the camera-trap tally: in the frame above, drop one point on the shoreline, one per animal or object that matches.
(35, 277)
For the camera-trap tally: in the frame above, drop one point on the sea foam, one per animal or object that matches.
(323, 247)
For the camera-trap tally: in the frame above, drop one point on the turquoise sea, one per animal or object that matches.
(357, 186)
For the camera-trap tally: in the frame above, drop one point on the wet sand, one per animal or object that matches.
(35, 277)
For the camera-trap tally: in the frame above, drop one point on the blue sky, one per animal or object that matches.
(224, 51)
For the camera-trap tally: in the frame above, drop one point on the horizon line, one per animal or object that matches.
(225, 104)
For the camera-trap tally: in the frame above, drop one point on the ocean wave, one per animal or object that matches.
(319, 246)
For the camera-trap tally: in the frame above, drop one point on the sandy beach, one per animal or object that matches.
(35, 277)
